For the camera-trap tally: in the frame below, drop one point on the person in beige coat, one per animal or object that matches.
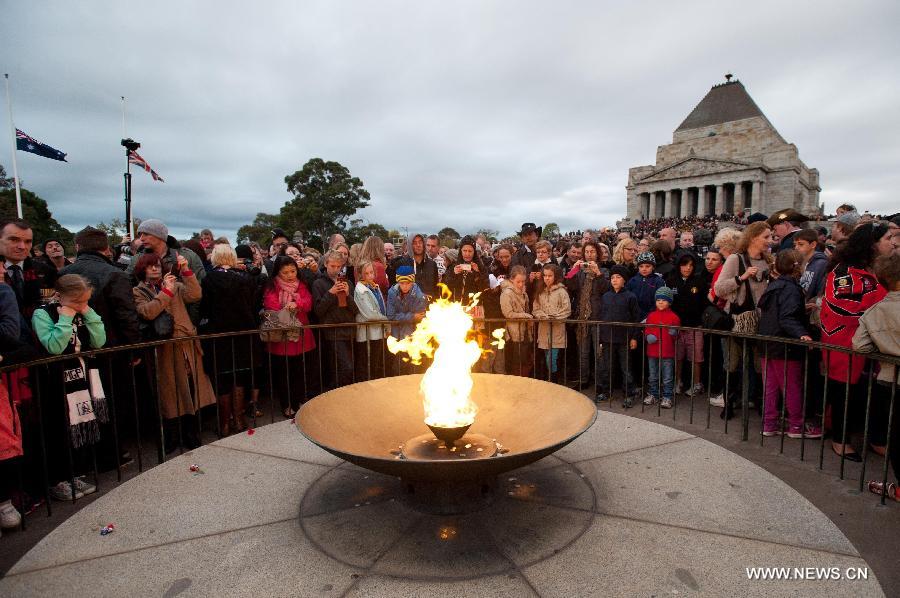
(878, 332)
(182, 385)
(551, 302)
(514, 305)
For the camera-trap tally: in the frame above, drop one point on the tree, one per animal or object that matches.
(37, 214)
(112, 229)
(489, 234)
(6, 182)
(359, 232)
(325, 196)
(260, 231)
(448, 233)
(551, 231)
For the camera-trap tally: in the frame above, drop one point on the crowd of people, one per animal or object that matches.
(596, 311)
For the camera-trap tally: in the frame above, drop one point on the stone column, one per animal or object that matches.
(702, 208)
(756, 200)
(720, 199)
(738, 197)
(652, 210)
(667, 206)
(685, 202)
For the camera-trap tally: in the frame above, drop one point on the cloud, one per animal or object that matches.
(471, 114)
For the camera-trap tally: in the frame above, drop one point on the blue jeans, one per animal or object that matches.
(668, 377)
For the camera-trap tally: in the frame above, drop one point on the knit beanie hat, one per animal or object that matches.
(620, 270)
(406, 274)
(244, 252)
(646, 258)
(664, 293)
(154, 228)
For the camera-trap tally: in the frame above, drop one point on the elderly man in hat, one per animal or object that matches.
(154, 236)
(785, 223)
(526, 255)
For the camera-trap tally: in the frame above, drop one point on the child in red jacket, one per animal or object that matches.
(661, 349)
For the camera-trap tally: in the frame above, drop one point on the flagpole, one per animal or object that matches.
(12, 137)
(124, 135)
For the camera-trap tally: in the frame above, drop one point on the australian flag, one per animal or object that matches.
(29, 144)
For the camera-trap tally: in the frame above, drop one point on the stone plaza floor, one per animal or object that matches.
(630, 508)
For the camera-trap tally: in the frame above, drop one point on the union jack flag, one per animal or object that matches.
(137, 160)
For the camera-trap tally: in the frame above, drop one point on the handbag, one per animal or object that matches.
(716, 318)
(159, 328)
(272, 320)
(746, 318)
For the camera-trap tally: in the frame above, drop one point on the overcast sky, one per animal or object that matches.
(467, 114)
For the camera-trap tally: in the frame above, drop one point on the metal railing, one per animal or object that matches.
(131, 376)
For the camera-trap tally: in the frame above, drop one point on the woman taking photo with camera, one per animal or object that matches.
(182, 385)
(466, 276)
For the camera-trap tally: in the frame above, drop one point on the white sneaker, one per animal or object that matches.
(63, 491)
(666, 403)
(717, 401)
(649, 400)
(695, 391)
(83, 486)
(9, 517)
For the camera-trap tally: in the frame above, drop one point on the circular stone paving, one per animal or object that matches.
(630, 508)
(365, 519)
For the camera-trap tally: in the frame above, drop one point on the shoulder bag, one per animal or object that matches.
(745, 316)
(271, 321)
(159, 328)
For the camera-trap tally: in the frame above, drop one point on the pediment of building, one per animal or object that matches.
(694, 167)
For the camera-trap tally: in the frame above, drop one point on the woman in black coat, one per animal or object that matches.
(230, 304)
(467, 275)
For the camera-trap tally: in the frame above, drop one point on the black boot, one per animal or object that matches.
(189, 431)
(171, 440)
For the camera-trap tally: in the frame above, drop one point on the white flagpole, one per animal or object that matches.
(12, 137)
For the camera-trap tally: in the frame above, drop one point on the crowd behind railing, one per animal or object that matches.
(165, 343)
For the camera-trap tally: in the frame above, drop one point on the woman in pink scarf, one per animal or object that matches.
(293, 361)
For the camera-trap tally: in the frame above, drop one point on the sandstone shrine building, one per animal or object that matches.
(726, 157)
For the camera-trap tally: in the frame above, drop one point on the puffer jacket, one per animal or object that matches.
(552, 304)
(644, 288)
(783, 313)
(619, 307)
(514, 304)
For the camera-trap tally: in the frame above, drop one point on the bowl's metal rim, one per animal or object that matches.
(441, 464)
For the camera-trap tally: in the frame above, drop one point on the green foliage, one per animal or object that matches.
(448, 233)
(325, 196)
(115, 229)
(359, 232)
(551, 231)
(260, 231)
(489, 234)
(37, 214)
(6, 182)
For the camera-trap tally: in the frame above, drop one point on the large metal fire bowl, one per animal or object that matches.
(367, 423)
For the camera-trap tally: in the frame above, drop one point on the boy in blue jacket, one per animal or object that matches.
(405, 303)
(645, 283)
(617, 305)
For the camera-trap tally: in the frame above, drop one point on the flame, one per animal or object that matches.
(446, 334)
